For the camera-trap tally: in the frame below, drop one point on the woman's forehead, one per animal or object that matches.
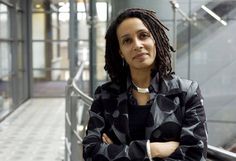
(131, 25)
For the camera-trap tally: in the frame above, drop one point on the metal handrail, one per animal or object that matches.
(88, 100)
(74, 110)
(214, 153)
(220, 154)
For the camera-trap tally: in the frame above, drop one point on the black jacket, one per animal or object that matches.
(177, 114)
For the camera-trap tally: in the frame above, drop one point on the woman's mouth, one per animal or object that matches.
(140, 56)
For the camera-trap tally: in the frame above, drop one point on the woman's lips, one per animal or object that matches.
(140, 56)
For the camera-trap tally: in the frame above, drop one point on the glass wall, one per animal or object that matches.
(20, 55)
(13, 72)
(206, 53)
(50, 20)
(102, 9)
(57, 30)
(5, 61)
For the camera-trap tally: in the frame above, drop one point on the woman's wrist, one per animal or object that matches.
(149, 153)
(154, 149)
(163, 149)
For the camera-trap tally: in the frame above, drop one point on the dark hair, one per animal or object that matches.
(114, 64)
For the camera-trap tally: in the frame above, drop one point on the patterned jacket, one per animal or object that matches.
(176, 114)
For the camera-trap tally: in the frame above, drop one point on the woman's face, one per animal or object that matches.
(137, 45)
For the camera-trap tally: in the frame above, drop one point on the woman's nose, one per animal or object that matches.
(138, 44)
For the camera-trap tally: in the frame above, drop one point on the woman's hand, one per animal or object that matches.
(106, 139)
(158, 149)
(163, 149)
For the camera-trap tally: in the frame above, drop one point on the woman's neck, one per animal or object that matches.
(141, 78)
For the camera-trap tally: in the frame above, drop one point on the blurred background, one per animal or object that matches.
(43, 44)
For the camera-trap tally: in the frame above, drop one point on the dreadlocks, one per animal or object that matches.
(115, 66)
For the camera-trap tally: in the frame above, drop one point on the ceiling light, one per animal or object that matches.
(38, 6)
(214, 15)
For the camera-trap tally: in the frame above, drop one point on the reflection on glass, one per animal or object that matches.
(49, 26)
(51, 55)
(19, 25)
(5, 59)
(64, 10)
(4, 22)
(48, 5)
(19, 4)
(83, 52)
(38, 23)
(101, 11)
(5, 97)
(53, 86)
(20, 58)
(5, 75)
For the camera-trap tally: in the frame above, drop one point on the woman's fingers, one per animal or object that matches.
(106, 139)
(174, 144)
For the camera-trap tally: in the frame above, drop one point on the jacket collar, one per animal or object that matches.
(154, 85)
(170, 85)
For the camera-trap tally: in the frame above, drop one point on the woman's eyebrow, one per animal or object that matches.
(140, 30)
(124, 36)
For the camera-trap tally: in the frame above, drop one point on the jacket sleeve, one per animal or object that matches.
(93, 147)
(193, 139)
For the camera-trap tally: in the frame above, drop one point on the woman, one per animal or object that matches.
(145, 112)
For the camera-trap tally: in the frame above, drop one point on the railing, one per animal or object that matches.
(219, 154)
(77, 105)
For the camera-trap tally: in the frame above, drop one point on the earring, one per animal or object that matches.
(123, 62)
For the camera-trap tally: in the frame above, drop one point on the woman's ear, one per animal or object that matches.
(122, 56)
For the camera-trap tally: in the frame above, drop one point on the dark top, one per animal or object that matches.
(137, 120)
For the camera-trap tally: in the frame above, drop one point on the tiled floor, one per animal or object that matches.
(34, 132)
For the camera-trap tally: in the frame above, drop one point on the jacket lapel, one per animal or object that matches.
(162, 106)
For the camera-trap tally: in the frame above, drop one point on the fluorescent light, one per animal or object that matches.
(101, 8)
(38, 6)
(210, 12)
(61, 4)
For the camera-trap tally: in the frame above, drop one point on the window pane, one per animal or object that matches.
(5, 96)
(50, 68)
(5, 59)
(52, 5)
(38, 26)
(5, 75)
(49, 55)
(19, 25)
(49, 88)
(50, 26)
(4, 22)
(101, 11)
(19, 4)
(20, 57)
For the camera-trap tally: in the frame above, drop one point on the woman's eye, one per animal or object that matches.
(126, 41)
(144, 35)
